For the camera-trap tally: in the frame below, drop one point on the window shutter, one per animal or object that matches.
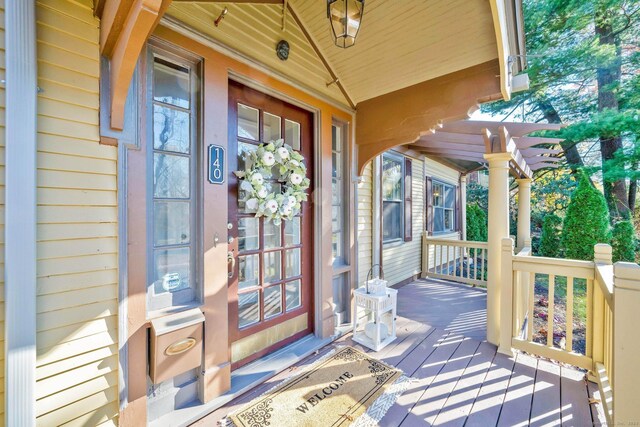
(458, 210)
(408, 223)
(429, 206)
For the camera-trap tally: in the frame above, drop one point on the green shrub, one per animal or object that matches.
(587, 221)
(550, 239)
(624, 242)
(477, 224)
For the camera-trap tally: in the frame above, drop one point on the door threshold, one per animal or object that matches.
(245, 378)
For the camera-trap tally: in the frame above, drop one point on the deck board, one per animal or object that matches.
(545, 410)
(433, 399)
(517, 402)
(459, 403)
(459, 380)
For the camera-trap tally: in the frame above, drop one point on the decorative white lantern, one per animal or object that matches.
(374, 319)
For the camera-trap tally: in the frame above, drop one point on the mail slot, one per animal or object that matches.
(176, 344)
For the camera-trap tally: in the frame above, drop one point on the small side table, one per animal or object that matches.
(382, 307)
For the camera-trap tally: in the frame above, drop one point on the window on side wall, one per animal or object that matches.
(392, 198)
(444, 207)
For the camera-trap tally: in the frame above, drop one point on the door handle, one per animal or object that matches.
(231, 259)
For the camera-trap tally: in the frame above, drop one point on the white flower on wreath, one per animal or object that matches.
(271, 206)
(283, 153)
(296, 179)
(257, 178)
(263, 193)
(268, 159)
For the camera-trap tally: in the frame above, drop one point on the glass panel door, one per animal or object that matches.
(271, 283)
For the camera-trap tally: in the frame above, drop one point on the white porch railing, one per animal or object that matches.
(457, 260)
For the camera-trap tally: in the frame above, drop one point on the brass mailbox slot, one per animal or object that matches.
(180, 346)
(176, 344)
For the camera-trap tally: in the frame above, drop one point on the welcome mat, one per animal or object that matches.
(345, 388)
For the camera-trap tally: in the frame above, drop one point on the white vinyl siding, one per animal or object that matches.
(364, 224)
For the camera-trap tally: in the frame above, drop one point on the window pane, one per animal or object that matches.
(171, 129)
(249, 270)
(171, 223)
(248, 308)
(336, 218)
(272, 267)
(450, 196)
(438, 194)
(292, 134)
(336, 138)
(271, 130)
(438, 219)
(336, 193)
(336, 161)
(248, 122)
(172, 269)
(392, 220)
(448, 219)
(391, 179)
(292, 232)
(336, 245)
(293, 295)
(171, 176)
(271, 235)
(170, 83)
(292, 263)
(248, 234)
(272, 301)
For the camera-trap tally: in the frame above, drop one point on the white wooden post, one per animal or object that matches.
(602, 256)
(463, 206)
(626, 344)
(524, 212)
(20, 212)
(498, 229)
(506, 297)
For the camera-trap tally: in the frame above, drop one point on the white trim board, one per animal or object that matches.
(20, 209)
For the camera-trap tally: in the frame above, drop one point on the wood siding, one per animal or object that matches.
(77, 378)
(364, 225)
(254, 30)
(404, 259)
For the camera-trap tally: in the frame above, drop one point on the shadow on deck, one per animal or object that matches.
(460, 379)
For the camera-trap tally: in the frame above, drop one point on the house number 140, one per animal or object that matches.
(216, 164)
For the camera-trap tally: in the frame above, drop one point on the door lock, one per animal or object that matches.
(231, 259)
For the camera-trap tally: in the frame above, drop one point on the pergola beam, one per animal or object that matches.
(449, 146)
(521, 129)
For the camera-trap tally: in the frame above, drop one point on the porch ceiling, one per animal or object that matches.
(400, 44)
(462, 144)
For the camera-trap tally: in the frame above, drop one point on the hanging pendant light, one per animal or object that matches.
(345, 17)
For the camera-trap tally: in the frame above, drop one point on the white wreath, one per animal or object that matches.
(274, 159)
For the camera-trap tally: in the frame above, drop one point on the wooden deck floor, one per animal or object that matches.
(461, 380)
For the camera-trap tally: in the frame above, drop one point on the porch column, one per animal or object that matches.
(524, 212)
(20, 213)
(498, 229)
(463, 206)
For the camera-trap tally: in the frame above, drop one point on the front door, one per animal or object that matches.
(271, 283)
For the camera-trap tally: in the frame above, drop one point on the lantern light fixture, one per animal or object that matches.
(345, 17)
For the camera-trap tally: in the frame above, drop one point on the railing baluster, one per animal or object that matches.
(569, 315)
(467, 252)
(589, 337)
(550, 310)
(532, 285)
(446, 263)
(482, 266)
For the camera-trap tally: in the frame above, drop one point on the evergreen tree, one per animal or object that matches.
(477, 224)
(587, 221)
(550, 240)
(624, 242)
